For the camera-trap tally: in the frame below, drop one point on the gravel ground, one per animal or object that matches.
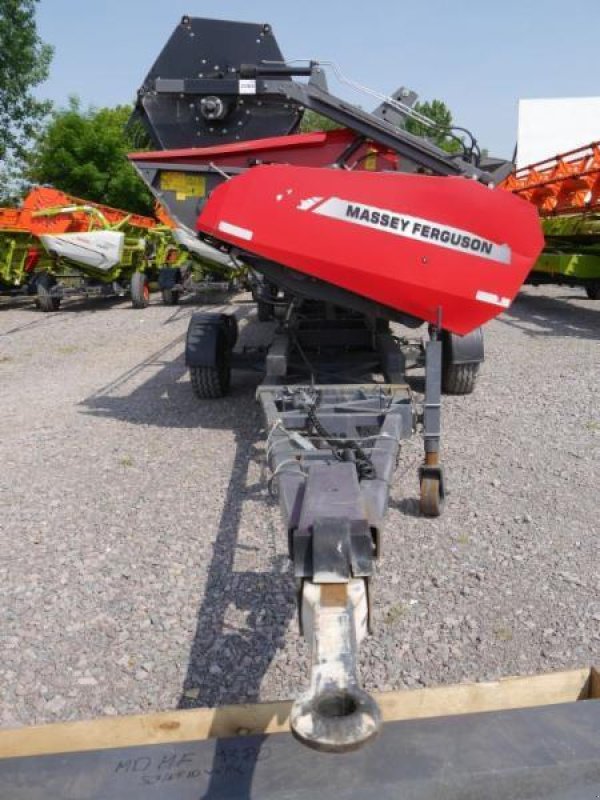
(143, 563)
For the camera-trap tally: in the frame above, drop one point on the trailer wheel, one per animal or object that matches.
(170, 297)
(45, 300)
(431, 498)
(209, 383)
(459, 378)
(265, 311)
(140, 290)
(593, 290)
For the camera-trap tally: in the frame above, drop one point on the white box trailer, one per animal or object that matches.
(552, 125)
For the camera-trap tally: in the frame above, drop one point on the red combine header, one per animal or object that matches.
(344, 233)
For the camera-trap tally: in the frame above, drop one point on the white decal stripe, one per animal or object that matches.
(235, 230)
(417, 228)
(492, 299)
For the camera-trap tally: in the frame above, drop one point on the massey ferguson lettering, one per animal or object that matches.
(431, 232)
(412, 228)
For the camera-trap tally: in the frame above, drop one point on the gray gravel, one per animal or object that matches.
(143, 564)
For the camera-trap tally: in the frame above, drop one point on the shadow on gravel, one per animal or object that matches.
(244, 614)
(537, 315)
(228, 659)
(409, 506)
(42, 319)
(152, 392)
(228, 662)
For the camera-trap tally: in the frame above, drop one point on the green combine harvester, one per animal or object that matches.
(56, 246)
(20, 252)
(572, 253)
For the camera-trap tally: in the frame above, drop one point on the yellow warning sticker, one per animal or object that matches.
(184, 185)
(370, 161)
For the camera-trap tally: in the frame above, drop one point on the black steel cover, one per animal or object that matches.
(193, 95)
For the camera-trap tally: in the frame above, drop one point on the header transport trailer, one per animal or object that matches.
(346, 233)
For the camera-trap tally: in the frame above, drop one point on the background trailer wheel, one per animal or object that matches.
(264, 311)
(170, 297)
(593, 290)
(170, 283)
(46, 301)
(140, 290)
(265, 294)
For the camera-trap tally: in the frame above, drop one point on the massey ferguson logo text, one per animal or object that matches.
(407, 226)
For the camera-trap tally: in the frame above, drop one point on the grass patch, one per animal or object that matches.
(503, 634)
(395, 613)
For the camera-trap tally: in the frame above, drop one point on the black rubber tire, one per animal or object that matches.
(170, 297)
(431, 499)
(210, 383)
(232, 331)
(593, 290)
(140, 290)
(459, 378)
(46, 301)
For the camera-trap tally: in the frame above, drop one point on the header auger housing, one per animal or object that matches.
(345, 231)
(198, 92)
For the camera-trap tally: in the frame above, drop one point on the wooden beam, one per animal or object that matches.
(239, 720)
(506, 693)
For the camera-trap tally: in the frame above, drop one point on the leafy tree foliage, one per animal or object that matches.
(84, 153)
(24, 64)
(437, 111)
(312, 121)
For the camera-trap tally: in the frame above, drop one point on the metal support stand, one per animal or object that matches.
(431, 474)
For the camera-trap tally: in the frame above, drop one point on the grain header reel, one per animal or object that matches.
(566, 191)
(348, 234)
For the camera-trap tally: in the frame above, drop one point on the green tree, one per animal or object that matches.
(439, 113)
(84, 153)
(24, 64)
(313, 121)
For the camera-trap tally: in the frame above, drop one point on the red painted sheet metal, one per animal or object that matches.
(317, 149)
(418, 244)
